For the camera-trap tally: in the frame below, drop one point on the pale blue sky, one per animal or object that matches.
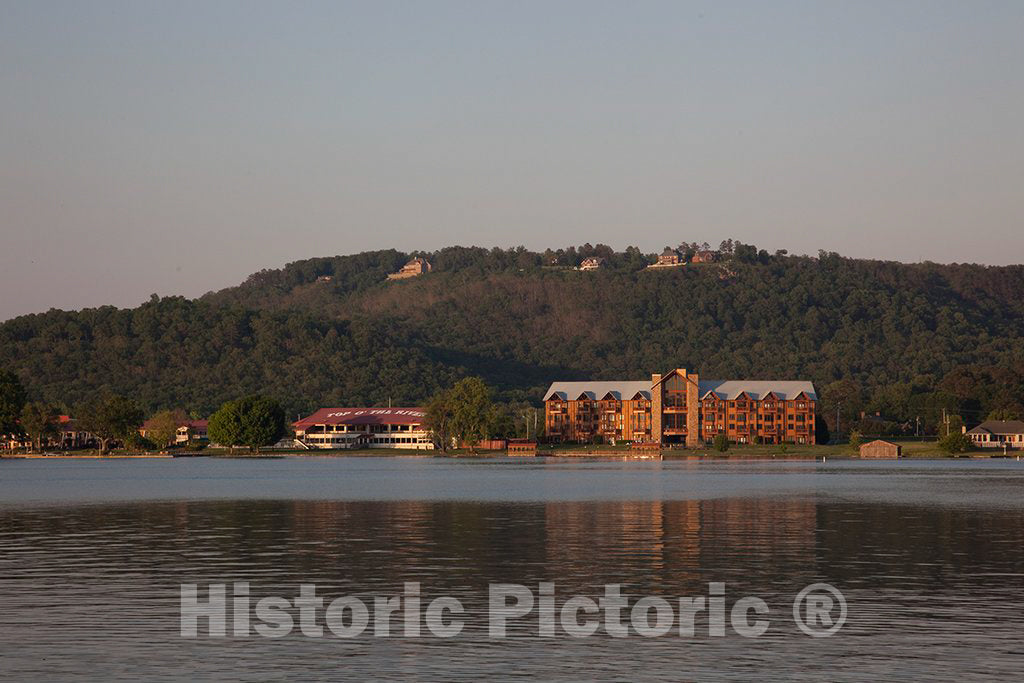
(176, 147)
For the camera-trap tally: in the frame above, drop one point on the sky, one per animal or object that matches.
(176, 147)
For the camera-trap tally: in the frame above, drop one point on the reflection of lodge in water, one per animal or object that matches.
(681, 537)
(678, 538)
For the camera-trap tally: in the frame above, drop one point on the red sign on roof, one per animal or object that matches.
(363, 416)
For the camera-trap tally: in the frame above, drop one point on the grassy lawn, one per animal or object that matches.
(911, 449)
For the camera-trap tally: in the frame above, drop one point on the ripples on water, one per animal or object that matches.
(929, 556)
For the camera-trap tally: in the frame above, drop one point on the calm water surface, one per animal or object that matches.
(930, 557)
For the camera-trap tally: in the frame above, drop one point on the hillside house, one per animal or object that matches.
(415, 267)
(670, 258)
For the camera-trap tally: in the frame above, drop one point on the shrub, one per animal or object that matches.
(136, 442)
(955, 442)
(721, 443)
(855, 439)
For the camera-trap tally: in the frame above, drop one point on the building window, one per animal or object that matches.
(675, 399)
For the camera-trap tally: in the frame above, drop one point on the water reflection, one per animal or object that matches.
(933, 591)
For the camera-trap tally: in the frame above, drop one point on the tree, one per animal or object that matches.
(906, 340)
(464, 414)
(225, 426)
(254, 421)
(111, 417)
(855, 439)
(821, 433)
(263, 422)
(136, 442)
(12, 401)
(955, 442)
(439, 420)
(162, 428)
(721, 443)
(473, 412)
(1004, 414)
(39, 421)
(513, 419)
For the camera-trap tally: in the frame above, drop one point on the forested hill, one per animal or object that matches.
(903, 340)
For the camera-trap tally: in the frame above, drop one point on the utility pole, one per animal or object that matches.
(838, 404)
(917, 429)
(945, 420)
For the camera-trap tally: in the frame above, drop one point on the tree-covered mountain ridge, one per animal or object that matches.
(903, 340)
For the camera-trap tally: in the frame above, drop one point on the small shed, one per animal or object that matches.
(881, 450)
(525, 447)
(645, 448)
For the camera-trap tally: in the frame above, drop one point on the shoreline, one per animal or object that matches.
(566, 455)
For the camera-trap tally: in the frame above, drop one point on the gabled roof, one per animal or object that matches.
(784, 390)
(623, 391)
(999, 427)
(729, 389)
(677, 372)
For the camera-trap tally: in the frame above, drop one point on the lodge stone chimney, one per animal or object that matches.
(693, 437)
(656, 408)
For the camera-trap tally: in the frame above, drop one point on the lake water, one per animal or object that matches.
(929, 556)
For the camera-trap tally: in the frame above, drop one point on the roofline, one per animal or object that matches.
(675, 371)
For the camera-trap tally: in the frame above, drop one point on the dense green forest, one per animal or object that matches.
(902, 340)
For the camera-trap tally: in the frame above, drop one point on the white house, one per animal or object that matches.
(997, 433)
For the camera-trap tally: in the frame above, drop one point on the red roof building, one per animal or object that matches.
(365, 428)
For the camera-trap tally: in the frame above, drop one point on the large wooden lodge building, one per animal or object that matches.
(680, 408)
